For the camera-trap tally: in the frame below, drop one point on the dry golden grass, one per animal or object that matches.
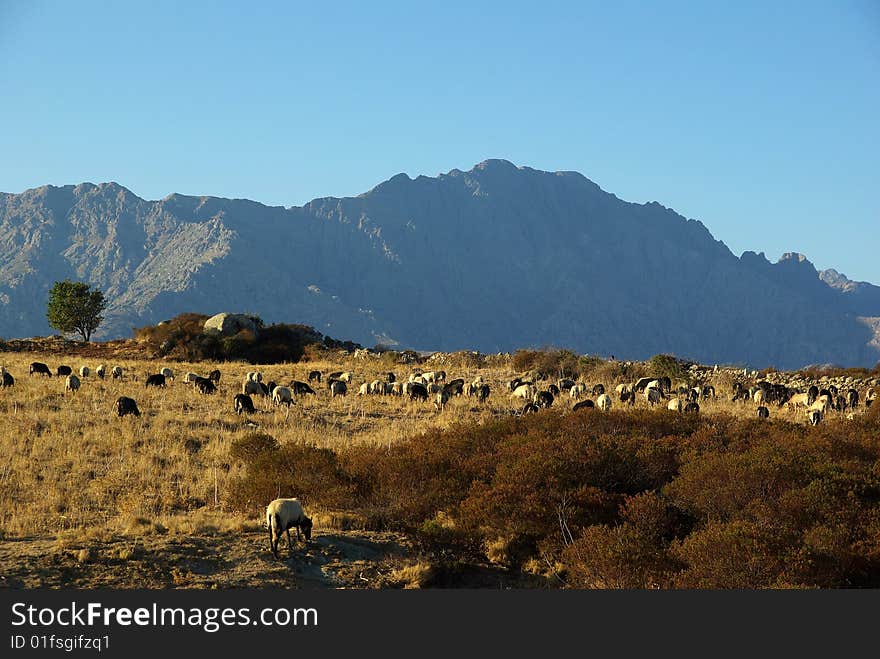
(70, 467)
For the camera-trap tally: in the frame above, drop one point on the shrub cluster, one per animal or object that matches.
(631, 500)
(183, 337)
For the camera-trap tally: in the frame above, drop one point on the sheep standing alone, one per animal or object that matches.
(283, 515)
(125, 406)
(116, 373)
(71, 383)
(8, 380)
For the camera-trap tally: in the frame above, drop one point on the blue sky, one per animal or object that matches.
(760, 119)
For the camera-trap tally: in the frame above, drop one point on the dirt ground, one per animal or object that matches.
(337, 559)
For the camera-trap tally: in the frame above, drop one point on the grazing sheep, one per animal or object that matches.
(116, 372)
(528, 408)
(565, 384)
(251, 387)
(525, 391)
(364, 389)
(708, 392)
(454, 387)
(598, 390)
(628, 397)
(622, 389)
(214, 376)
(243, 404)
(155, 380)
(283, 515)
(513, 384)
(397, 388)
(441, 400)
(334, 375)
(759, 397)
(852, 398)
(676, 405)
(577, 391)
(71, 383)
(603, 402)
(84, 371)
(338, 388)
(376, 387)
(483, 392)
(204, 385)
(815, 416)
(642, 384)
(314, 376)
(434, 387)
(347, 376)
(168, 373)
(282, 395)
(583, 405)
(39, 367)
(543, 399)
(300, 388)
(101, 371)
(63, 370)
(692, 408)
(419, 391)
(470, 389)
(798, 400)
(870, 395)
(8, 380)
(812, 394)
(553, 389)
(125, 406)
(653, 395)
(254, 376)
(191, 377)
(763, 413)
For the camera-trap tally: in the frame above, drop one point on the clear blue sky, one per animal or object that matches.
(762, 119)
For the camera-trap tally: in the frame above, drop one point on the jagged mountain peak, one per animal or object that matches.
(494, 258)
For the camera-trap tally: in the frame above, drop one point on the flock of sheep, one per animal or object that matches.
(532, 394)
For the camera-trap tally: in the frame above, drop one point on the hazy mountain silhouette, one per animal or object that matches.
(495, 258)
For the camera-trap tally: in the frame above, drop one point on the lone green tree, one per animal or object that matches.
(75, 307)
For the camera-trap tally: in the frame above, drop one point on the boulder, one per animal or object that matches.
(229, 324)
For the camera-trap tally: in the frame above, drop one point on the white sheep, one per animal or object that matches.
(71, 383)
(525, 391)
(348, 376)
(577, 391)
(282, 395)
(364, 389)
(676, 405)
(283, 515)
(603, 402)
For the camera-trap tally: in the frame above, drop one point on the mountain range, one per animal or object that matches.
(491, 259)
